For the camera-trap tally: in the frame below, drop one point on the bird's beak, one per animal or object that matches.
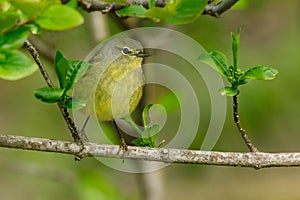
(142, 54)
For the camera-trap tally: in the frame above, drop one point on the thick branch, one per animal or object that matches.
(254, 160)
(99, 5)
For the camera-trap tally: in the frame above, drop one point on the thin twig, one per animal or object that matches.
(71, 125)
(235, 159)
(212, 9)
(216, 10)
(35, 55)
(237, 122)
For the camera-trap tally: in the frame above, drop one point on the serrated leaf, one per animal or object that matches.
(60, 17)
(48, 94)
(261, 73)
(145, 115)
(235, 48)
(228, 91)
(76, 104)
(216, 60)
(14, 39)
(133, 11)
(15, 65)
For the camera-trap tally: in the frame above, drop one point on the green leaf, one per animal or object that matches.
(175, 11)
(158, 14)
(15, 65)
(75, 71)
(260, 73)
(216, 60)
(228, 91)
(69, 71)
(134, 11)
(151, 4)
(82, 68)
(35, 29)
(151, 132)
(72, 4)
(243, 81)
(48, 94)
(8, 20)
(32, 9)
(145, 115)
(235, 48)
(185, 10)
(60, 17)
(14, 39)
(139, 142)
(76, 104)
(178, 11)
(144, 142)
(62, 66)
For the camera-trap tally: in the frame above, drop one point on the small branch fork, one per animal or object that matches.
(211, 8)
(237, 122)
(256, 160)
(35, 55)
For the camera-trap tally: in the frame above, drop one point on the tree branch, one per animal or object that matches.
(218, 9)
(242, 131)
(212, 9)
(253, 160)
(71, 125)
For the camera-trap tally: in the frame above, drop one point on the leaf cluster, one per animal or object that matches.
(18, 19)
(235, 76)
(149, 133)
(175, 11)
(68, 73)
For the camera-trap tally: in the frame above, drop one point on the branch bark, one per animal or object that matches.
(212, 9)
(253, 160)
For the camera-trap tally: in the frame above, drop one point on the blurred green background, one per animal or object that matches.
(269, 111)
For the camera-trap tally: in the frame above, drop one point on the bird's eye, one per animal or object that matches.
(126, 50)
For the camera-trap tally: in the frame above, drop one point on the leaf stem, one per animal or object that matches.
(71, 125)
(241, 130)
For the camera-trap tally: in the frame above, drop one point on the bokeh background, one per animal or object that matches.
(269, 111)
